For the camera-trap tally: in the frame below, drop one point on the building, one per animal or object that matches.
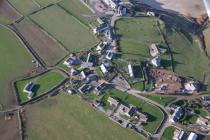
(104, 68)
(92, 77)
(176, 116)
(110, 55)
(112, 101)
(191, 86)
(74, 72)
(72, 60)
(109, 34)
(102, 28)
(124, 110)
(100, 88)
(179, 135)
(150, 13)
(101, 47)
(154, 51)
(142, 117)
(192, 136)
(29, 89)
(112, 3)
(121, 11)
(85, 88)
(156, 61)
(130, 70)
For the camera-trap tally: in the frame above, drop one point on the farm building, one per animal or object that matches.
(124, 110)
(130, 70)
(29, 89)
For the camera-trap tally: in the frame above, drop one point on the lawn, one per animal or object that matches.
(15, 61)
(135, 37)
(44, 83)
(72, 119)
(25, 7)
(65, 28)
(163, 100)
(188, 58)
(154, 114)
(8, 14)
(78, 10)
(168, 133)
(44, 45)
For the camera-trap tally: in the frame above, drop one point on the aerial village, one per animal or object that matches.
(94, 72)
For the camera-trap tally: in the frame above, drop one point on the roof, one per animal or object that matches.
(192, 136)
(156, 61)
(130, 70)
(132, 111)
(154, 50)
(177, 114)
(103, 68)
(29, 87)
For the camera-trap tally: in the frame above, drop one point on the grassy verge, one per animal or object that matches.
(168, 133)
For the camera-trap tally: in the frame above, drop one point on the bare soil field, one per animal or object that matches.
(46, 46)
(191, 8)
(9, 128)
(7, 13)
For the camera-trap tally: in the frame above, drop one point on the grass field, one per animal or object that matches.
(15, 61)
(72, 119)
(44, 83)
(44, 45)
(65, 28)
(207, 41)
(9, 129)
(163, 100)
(7, 13)
(168, 133)
(135, 37)
(25, 7)
(154, 114)
(188, 58)
(46, 2)
(78, 10)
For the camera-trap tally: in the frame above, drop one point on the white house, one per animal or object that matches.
(112, 101)
(104, 69)
(111, 3)
(191, 86)
(101, 28)
(192, 136)
(156, 61)
(110, 55)
(130, 70)
(154, 51)
(150, 13)
(29, 89)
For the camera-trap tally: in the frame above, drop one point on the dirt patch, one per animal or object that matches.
(7, 13)
(9, 129)
(191, 8)
(47, 47)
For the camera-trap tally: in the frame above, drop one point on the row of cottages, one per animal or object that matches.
(29, 87)
(184, 135)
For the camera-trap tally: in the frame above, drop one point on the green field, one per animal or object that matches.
(154, 114)
(188, 58)
(44, 83)
(168, 133)
(135, 37)
(78, 10)
(8, 14)
(46, 2)
(15, 61)
(72, 119)
(163, 100)
(44, 45)
(25, 7)
(65, 28)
